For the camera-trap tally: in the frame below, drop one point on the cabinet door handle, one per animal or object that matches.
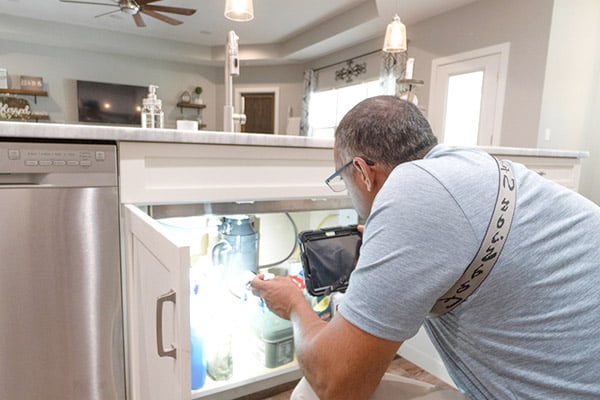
(171, 296)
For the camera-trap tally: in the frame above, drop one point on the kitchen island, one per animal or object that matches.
(562, 166)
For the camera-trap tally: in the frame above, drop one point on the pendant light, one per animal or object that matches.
(239, 10)
(395, 36)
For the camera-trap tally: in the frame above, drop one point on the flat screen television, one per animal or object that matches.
(110, 103)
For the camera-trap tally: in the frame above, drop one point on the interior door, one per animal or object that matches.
(467, 96)
(260, 112)
(158, 313)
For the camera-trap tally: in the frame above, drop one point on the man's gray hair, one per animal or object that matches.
(386, 130)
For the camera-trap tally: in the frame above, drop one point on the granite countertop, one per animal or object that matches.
(31, 130)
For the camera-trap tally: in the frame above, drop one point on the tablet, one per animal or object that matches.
(328, 258)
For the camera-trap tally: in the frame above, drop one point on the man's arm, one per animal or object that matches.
(339, 360)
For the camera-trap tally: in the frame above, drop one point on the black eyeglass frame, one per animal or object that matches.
(341, 169)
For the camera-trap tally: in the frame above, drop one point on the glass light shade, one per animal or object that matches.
(395, 36)
(239, 10)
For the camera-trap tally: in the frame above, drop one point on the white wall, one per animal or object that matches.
(570, 114)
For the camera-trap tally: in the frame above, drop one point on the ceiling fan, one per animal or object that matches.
(137, 7)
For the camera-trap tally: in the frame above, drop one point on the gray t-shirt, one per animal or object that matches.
(532, 329)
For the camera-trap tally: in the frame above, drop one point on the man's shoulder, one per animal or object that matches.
(449, 166)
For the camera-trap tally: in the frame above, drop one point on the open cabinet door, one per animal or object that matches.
(158, 317)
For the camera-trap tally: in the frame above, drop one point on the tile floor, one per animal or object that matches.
(399, 366)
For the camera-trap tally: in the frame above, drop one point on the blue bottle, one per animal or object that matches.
(197, 341)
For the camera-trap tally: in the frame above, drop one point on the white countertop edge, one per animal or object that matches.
(134, 134)
(521, 151)
(32, 130)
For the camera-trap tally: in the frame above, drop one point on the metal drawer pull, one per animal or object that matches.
(162, 352)
(541, 173)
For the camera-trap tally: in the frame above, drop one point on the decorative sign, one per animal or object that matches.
(31, 83)
(350, 70)
(14, 108)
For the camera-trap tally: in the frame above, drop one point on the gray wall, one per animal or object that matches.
(525, 24)
(288, 78)
(571, 98)
(60, 67)
(553, 74)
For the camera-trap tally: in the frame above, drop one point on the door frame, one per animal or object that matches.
(259, 89)
(493, 102)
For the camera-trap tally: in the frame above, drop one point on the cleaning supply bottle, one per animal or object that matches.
(152, 114)
(198, 355)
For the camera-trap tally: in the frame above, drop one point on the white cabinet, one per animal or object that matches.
(158, 326)
(157, 309)
(183, 180)
(563, 169)
(170, 173)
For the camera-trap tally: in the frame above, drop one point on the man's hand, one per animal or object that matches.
(280, 294)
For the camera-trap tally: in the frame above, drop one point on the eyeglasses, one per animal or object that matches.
(335, 180)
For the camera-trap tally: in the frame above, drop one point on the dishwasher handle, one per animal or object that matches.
(171, 296)
(57, 179)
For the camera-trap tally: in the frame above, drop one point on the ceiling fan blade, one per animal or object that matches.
(138, 20)
(161, 17)
(107, 13)
(173, 10)
(142, 2)
(89, 2)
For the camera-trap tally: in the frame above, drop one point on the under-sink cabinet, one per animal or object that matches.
(173, 198)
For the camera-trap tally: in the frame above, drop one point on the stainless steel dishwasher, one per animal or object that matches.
(61, 329)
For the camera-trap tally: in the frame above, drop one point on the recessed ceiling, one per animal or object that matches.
(289, 30)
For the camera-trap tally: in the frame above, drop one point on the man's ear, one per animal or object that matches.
(367, 174)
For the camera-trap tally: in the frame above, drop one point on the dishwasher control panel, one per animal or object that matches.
(45, 158)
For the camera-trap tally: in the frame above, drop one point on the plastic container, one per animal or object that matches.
(219, 338)
(198, 360)
(275, 339)
(198, 354)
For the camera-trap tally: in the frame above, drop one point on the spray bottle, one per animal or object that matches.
(152, 114)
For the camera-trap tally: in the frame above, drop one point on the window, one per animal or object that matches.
(462, 109)
(328, 107)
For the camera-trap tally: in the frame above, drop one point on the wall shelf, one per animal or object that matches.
(183, 105)
(197, 107)
(30, 118)
(25, 92)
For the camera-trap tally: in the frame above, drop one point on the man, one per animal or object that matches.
(531, 330)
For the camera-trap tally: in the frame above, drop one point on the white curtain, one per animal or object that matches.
(388, 67)
(393, 68)
(310, 84)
